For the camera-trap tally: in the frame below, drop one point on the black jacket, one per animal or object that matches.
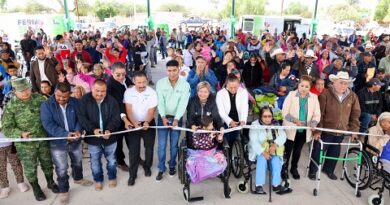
(370, 102)
(117, 91)
(194, 112)
(273, 65)
(88, 115)
(252, 75)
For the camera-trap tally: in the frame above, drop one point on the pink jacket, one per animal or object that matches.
(76, 80)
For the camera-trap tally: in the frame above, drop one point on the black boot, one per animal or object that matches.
(51, 184)
(53, 187)
(39, 195)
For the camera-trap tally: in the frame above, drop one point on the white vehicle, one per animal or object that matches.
(343, 31)
(254, 23)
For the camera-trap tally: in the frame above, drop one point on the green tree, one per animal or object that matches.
(3, 4)
(382, 12)
(244, 7)
(34, 7)
(173, 7)
(127, 9)
(341, 12)
(296, 8)
(84, 8)
(105, 10)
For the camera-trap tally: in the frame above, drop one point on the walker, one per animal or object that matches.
(323, 156)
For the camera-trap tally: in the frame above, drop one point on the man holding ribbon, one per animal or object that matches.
(21, 120)
(58, 116)
(141, 104)
(99, 116)
(173, 95)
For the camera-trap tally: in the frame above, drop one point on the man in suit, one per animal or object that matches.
(44, 68)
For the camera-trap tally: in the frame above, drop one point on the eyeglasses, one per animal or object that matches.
(267, 116)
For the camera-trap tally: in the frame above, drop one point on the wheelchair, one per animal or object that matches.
(185, 178)
(372, 174)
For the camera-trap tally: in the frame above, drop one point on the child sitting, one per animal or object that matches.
(382, 143)
(266, 145)
(8, 152)
(204, 161)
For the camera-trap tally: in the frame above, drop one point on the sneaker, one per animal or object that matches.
(98, 186)
(172, 171)
(64, 198)
(112, 183)
(84, 182)
(4, 192)
(159, 176)
(259, 190)
(23, 187)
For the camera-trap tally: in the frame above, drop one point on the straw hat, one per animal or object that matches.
(341, 75)
(276, 52)
(310, 54)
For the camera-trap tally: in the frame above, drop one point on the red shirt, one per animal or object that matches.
(87, 58)
(113, 59)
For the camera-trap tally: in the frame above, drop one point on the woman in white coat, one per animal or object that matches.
(301, 108)
(267, 145)
(232, 103)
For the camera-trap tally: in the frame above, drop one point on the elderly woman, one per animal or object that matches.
(201, 105)
(201, 73)
(301, 108)
(267, 145)
(232, 102)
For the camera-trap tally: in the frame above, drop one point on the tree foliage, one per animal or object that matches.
(296, 8)
(105, 10)
(33, 7)
(174, 7)
(382, 12)
(3, 4)
(127, 9)
(341, 12)
(244, 7)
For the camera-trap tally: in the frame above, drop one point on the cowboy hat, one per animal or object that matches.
(310, 54)
(277, 51)
(341, 75)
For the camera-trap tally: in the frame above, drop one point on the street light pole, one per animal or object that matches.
(66, 15)
(314, 21)
(232, 19)
(150, 21)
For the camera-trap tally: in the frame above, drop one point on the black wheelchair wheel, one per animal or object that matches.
(181, 166)
(237, 158)
(366, 169)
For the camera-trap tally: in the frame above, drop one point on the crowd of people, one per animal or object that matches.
(83, 83)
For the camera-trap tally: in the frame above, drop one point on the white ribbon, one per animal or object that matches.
(256, 127)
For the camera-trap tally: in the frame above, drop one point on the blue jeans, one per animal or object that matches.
(261, 170)
(365, 119)
(60, 160)
(162, 145)
(95, 153)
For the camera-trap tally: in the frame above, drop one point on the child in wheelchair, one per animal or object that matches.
(382, 143)
(204, 160)
(266, 147)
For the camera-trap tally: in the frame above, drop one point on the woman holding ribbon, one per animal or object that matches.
(301, 108)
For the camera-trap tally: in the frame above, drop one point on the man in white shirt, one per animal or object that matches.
(141, 104)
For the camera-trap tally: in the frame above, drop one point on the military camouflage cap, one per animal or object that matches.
(20, 84)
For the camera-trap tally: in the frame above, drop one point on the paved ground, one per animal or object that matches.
(169, 191)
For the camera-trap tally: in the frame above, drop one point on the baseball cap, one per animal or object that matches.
(376, 81)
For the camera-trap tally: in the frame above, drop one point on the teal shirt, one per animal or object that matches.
(172, 100)
(302, 110)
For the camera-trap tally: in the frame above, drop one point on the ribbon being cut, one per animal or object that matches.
(194, 131)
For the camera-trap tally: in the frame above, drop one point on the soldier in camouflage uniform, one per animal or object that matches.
(21, 119)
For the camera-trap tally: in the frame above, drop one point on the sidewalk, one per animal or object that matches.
(169, 191)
